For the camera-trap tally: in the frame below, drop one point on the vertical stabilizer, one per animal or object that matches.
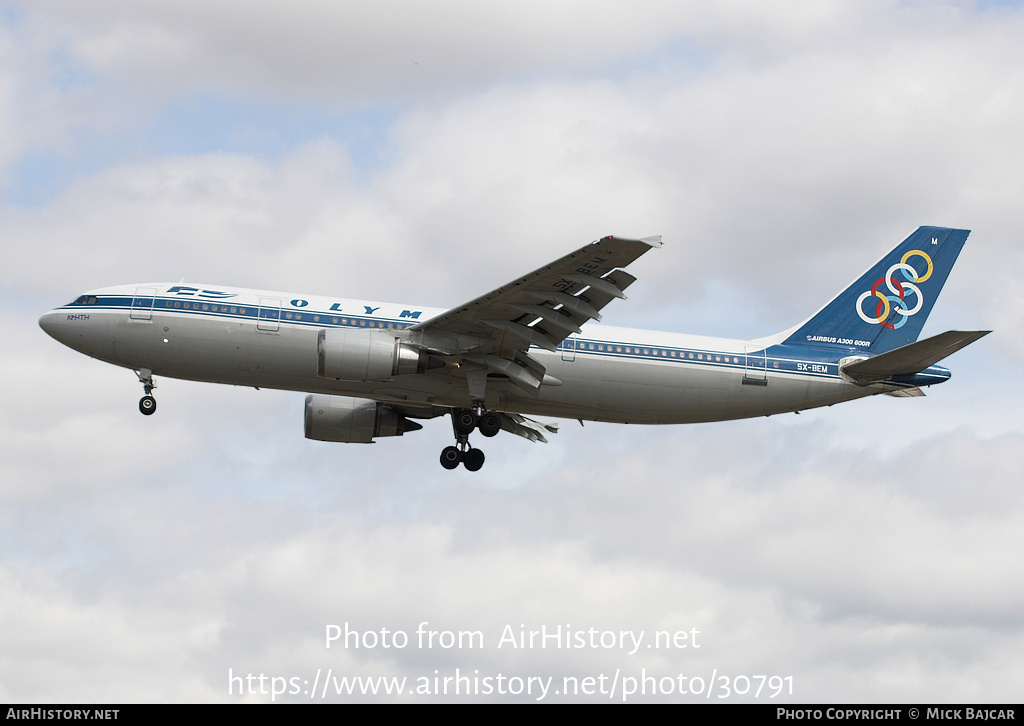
(886, 308)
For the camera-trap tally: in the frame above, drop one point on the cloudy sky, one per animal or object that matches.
(425, 153)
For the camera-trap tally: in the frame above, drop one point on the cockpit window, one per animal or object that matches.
(87, 300)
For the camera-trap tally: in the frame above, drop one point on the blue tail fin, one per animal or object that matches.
(887, 306)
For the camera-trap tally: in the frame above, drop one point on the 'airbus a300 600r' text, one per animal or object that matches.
(530, 348)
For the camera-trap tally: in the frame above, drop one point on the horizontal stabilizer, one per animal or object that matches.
(910, 359)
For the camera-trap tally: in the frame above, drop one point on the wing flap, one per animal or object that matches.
(519, 374)
(526, 427)
(572, 303)
(524, 333)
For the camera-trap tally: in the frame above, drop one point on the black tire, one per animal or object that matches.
(473, 459)
(147, 404)
(490, 424)
(450, 457)
(464, 421)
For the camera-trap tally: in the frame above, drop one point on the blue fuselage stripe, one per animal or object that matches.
(808, 363)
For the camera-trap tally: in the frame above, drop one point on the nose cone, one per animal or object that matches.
(61, 326)
(79, 331)
(50, 323)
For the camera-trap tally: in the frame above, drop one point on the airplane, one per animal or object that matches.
(530, 348)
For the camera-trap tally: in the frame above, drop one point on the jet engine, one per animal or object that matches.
(367, 355)
(352, 420)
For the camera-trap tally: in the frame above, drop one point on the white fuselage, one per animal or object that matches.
(269, 339)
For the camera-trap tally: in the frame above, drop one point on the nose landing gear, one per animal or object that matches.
(147, 404)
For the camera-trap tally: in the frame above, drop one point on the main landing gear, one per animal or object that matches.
(147, 404)
(464, 422)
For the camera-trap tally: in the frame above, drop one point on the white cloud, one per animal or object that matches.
(776, 166)
(355, 51)
(778, 567)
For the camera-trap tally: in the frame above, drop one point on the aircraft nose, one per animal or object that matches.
(51, 324)
(46, 323)
(73, 329)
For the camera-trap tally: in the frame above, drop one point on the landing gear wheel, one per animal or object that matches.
(450, 457)
(473, 459)
(464, 421)
(490, 424)
(147, 404)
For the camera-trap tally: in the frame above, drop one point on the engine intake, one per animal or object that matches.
(367, 355)
(352, 420)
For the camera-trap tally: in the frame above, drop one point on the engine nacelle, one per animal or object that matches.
(352, 420)
(366, 355)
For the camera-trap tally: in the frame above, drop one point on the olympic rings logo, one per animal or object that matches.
(898, 299)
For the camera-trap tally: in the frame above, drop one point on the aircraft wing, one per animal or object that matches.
(494, 332)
